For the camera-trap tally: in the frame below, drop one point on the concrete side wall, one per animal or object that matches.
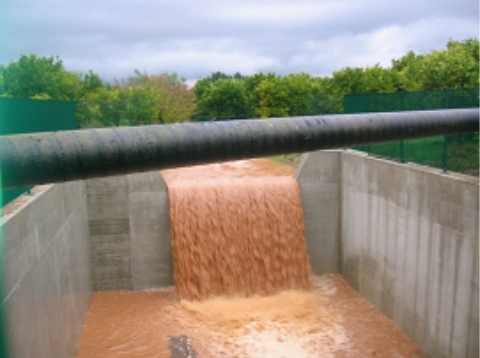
(47, 286)
(406, 237)
(318, 176)
(152, 263)
(109, 233)
(130, 232)
(410, 246)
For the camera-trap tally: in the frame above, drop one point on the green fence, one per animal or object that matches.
(26, 116)
(411, 101)
(457, 153)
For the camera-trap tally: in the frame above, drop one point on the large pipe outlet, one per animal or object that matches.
(29, 159)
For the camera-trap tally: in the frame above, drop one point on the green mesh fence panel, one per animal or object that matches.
(412, 101)
(27, 116)
(459, 153)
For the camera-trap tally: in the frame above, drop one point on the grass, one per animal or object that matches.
(463, 157)
(462, 152)
(287, 159)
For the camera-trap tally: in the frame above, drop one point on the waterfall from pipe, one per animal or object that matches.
(237, 237)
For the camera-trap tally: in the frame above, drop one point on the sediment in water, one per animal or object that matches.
(237, 237)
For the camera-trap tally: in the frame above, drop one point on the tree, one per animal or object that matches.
(39, 77)
(90, 83)
(166, 93)
(453, 67)
(218, 76)
(200, 87)
(92, 105)
(2, 82)
(224, 99)
(379, 80)
(138, 105)
(221, 96)
(273, 96)
(408, 71)
(348, 81)
(300, 93)
(251, 90)
(323, 101)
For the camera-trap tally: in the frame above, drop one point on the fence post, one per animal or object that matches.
(402, 154)
(445, 153)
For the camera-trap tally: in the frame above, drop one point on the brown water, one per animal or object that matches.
(328, 320)
(237, 237)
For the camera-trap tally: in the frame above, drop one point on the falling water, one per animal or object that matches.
(237, 237)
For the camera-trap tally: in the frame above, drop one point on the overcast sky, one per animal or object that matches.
(196, 38)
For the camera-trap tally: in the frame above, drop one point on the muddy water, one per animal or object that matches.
(225, 171)
(237, 237)
(328, 320)
(237, 229)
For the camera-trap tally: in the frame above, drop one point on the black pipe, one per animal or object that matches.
(29, 159)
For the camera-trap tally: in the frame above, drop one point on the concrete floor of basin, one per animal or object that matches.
(329, 320)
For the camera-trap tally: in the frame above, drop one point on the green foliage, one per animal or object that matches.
(222, 99)
(91, 84)
(221, 96)
(323, 101)
(140, 99)
(39, 77)
(273, 98)
(165, 98)
(174, 101)
(251, 87)
(348, 81)
(299, 88)
(2, 82)
(457, 66)
(217, 76)
(137, 100)
(463, 154)
(292, 95)
(263, 95)
(269, 95)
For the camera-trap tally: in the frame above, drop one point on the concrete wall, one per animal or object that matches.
(47, 286)
(130, 232)
(408, 243)
(404, 236)
(318, 176)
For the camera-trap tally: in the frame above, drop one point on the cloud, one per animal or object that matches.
(192, 38)
(381, 45)
(191, 59)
